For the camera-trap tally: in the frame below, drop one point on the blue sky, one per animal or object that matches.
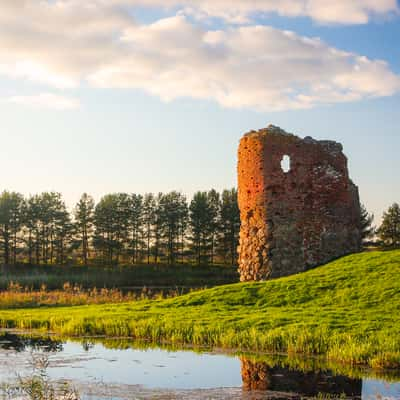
(137, 99)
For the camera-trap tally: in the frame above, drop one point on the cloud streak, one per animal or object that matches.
(67, 44)
(242, 11)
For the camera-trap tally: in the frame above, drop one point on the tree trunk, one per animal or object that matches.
(84, 247)
(37, 245)
(51, 247)
(30, 249)
(15, 247)
(148, 243)
(6, 245)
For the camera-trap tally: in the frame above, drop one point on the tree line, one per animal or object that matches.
(121, 228)
(127, 228)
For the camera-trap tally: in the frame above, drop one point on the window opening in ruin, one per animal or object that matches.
(285, 163)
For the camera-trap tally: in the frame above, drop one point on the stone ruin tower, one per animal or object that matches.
(298, 206)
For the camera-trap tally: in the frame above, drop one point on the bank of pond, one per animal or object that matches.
(346, 311)
(124, 369)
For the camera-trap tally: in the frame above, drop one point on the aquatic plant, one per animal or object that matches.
(37, 385)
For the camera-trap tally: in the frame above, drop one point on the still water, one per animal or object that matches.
(121, 370)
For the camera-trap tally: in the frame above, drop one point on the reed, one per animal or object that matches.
(17, 296)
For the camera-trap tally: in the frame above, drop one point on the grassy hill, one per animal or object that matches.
(347, 310)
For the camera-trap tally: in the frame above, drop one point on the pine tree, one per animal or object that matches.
(84, 215)
(11, 218)
(63, 234)
(135, 217)
(105, 222)
(199, 222)
(157, 228)
(214, 208)
(366, 228)
(149, 220)
(389, 231)
(229, 226)
(172, 214)
(32, 215)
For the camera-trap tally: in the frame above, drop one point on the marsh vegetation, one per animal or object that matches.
(345, 311)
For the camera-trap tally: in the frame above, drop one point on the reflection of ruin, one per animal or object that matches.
(257, 375)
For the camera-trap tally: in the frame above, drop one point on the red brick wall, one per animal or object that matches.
(295, 220)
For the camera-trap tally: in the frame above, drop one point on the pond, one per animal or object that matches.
(121, 369)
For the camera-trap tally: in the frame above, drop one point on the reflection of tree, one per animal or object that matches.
(10, 341)
(258, 375)
(87, 345)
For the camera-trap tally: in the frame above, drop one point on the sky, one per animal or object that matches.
(144, 96)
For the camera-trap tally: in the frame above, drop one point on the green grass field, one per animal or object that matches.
(347, 310)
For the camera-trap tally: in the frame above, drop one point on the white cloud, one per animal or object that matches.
(240, 11)
(254, 66)
(65, 44)
(46, 100)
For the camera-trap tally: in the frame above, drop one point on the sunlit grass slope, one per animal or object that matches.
(348, 310)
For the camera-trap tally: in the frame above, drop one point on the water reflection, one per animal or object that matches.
(260, 376)
(19, 343)
(127, 369)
